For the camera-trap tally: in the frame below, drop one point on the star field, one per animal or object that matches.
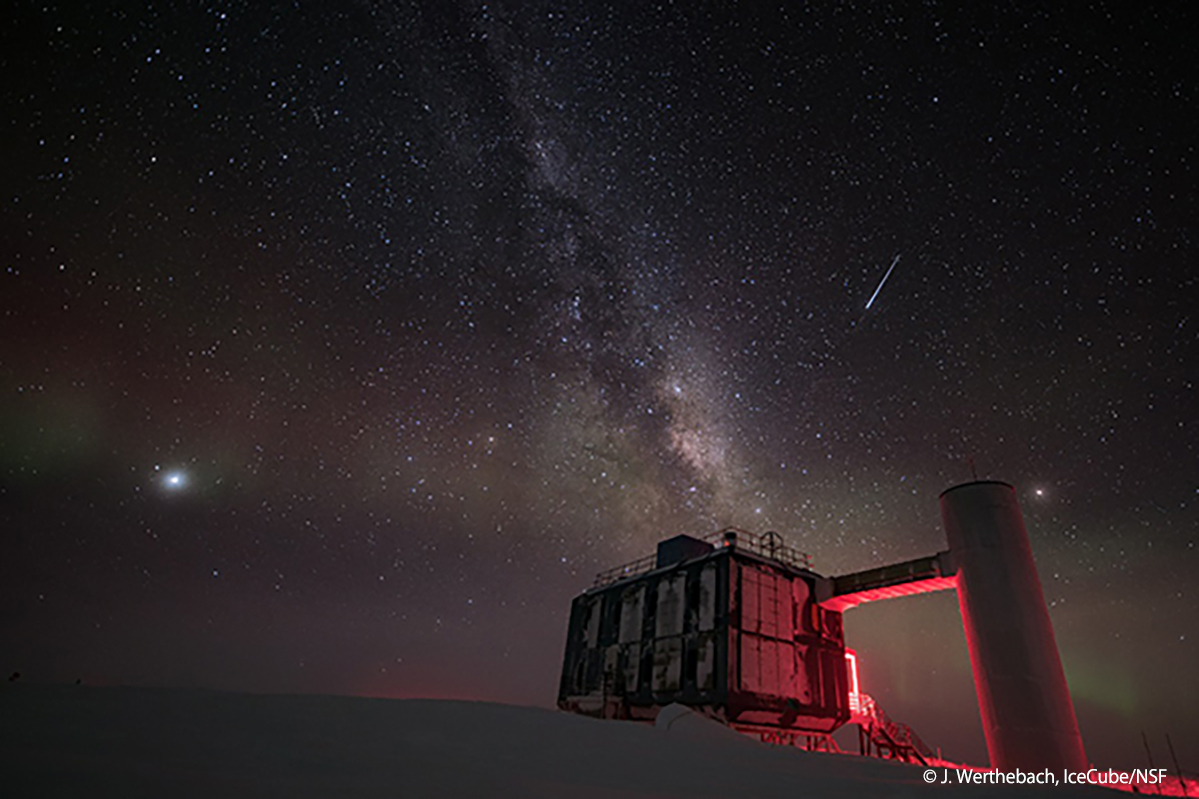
(341, 345)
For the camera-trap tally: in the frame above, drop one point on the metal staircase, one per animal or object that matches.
(880, 736)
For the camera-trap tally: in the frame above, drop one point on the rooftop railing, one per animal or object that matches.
(768, 545)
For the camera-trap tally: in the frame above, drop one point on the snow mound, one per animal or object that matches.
(683, 722)
(139, 742)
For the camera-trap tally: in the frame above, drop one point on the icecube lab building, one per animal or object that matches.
(730, 625)
(740, 627)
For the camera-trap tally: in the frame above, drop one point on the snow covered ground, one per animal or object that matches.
(89, 742)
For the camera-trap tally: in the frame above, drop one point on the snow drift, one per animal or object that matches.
(132, 742)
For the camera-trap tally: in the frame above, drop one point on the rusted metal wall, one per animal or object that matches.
(647, 641)
(789, 653)
(729, 633)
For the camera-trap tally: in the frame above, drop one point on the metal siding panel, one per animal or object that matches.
(732, 663)
(750, 615)
(786, 607)
(610, 675)
(802, 681)
(591, 625)
(646, 674)
(786, 667)
(566, 685)
(671, 605)
(632, 667)
(707, 598)
(832, 625)
(829, 675)
(769, 661)
(751, 669)
(632, 603)
(800, 593)
(768, 604)
(705, 671)
(578, 677)
(609, 632)
(593, 673)
(668, 665)
(674, 672)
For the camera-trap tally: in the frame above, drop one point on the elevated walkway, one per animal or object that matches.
(920, 576)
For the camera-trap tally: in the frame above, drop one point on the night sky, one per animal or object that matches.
(342, 344)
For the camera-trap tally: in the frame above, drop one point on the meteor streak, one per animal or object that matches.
(881, 282)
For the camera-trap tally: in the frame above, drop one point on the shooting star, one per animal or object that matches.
(882, 282)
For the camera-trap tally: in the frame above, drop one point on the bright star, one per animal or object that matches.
(174, 480)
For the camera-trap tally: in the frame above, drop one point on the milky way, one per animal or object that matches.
(343, 345)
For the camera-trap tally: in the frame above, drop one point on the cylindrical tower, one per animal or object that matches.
(1026, 711)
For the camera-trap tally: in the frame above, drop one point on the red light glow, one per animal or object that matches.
(855, 699)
